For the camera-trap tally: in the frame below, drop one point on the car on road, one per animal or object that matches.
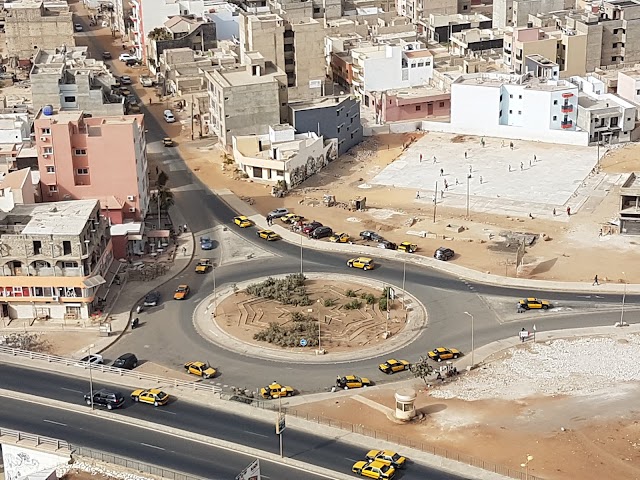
(375, 469)
(321, 232)
(387, 457)
(109, 399)
(352, 381)
(307, 228)
(152, 299)
(168, 142)
(206, 243)
(78, 28)
(106, 55)
(441, 353)
(146, 81)
(200, 369)
(153, 396)
(125, 80)
(268, 235)
(125, 56)
(365, 263)
(242, 221)
(168, 116)
(392, 366)
(291, 218)
(132, 62)
(93, 359)
(444, 254)
(278, 212)
(386, 244)
(275, 390)
(340, 238)
(532, 303)
(371, 236)
(407, 247)
(181, 293)
(203, 266)
(126, 361)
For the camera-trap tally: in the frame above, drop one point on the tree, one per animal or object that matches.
(422, 369)
(163, 197)
(160, 33)
(162, 179)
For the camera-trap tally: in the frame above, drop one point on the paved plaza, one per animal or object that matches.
(532, 178)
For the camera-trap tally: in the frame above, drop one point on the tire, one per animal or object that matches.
(545, 307)
(455, 356)
(346, 388)
(365, 386)
(136, 399)
(135, 365)
(365, 268)
(109, 406)
(155, 404)
(88, 402)
(439, 359)
(349, 264)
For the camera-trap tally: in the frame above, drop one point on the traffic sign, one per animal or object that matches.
(252, 472)
(280, 424)
(303, 342)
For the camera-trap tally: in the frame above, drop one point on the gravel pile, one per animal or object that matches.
(96, 470)
(560, 367)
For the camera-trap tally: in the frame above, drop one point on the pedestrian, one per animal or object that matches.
(470, 170)
(184, 251)
(441, 194)
(595, 280)
(150, 100)
(600, 232)
(523, 335)
(535, 159)
(420, 158)
(511, 145)
(268, 219)
(502, 145)
(457, 182)
(442, 172)
(482, 141)
(509, 167)
(417, 195)
(184, 227)
(554, 212)
(531, 216)
(465, 154)
(480, 179)
(124, 47)
(446, 187)
(568, 211)
(433, 199)
(529, 163)
(434, 160)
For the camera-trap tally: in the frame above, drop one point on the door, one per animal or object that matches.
(429, 109)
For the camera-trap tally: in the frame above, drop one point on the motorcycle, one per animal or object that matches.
(138, 308)
(134, 323)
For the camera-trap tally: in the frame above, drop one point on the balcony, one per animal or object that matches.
(566, 125)
(566, 108)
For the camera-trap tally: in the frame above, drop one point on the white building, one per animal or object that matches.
(386, 67)
(282, 155)
(516, 106)
(225, 16)
(629, 85)
(15, 128)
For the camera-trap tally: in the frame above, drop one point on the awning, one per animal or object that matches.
(134, 237)
(158, 234)
(94, 281)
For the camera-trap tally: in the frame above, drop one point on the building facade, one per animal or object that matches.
(468, 42)
(418, 103)
(96, 157)
(53, 259)
(608, 118)
(441, 27)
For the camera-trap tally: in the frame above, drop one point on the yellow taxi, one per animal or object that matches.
(373, 470)
(203, 266)
(532, 303)
(181, 292)
(441, 353)
(291, 218)
(340, 238)
(352, 381)
(242, 221)
(268, 235)
(154, 396)
(275, 390)
(387, 457)
(200, 369)
(407, 247)
(392, 366)
(365, 263)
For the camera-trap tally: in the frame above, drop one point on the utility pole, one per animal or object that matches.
(192, 136)
(301, 250)
(468, 180)
(435, 202)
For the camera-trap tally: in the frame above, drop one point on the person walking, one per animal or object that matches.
(521, 166)
(442, 172)
(446, 187)
(418, 195)
(511, 145)
(568, 211)
(509, 167)
(434, 159)
(554, 212)
(595, 280)
(420, 158)
(465, 154)
(480, 179)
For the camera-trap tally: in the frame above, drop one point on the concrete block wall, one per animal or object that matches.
(27, 30)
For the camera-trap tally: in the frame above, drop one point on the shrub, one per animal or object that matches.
(353, 305)
(329, 302)
(369, 298)
(288, 291)
(382, 303)
(290, 335)
(301, 317)
(350, 293)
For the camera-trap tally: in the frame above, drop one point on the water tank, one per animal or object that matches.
(47, 110)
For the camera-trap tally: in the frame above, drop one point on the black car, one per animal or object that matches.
(369, 235)
(132, 62)
(152, 299)
(387, 245)
(105, 398)
(128, 361)
(106, 55)
(308, 228)
(321, 232)
(443, 254)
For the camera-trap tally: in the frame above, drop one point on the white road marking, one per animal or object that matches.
(351, 459)
(165, 411)
(213, 333)
(256, 434)
(55, 423)
(71, 390)
(152, 446)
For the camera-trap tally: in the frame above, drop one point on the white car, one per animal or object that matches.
(78, 27)
(168, 116)
(125, 56)
(278, 212)
(93, 359)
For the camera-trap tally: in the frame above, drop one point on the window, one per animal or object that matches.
(47, 150)
(613, 59)
(615, 31)
(510, 96)
(441, 104)
(53, 188)
(418, 108)
(70, 99)
(80, 151)
(37, 247)
(555, 117)
(519, 97)
(70, 264)
(555, 102)
(519, 112)
(51, 169)
(413, 65)
(82, 171)
(510, 111)
(420, 64)
(45, 131)
(66, 247)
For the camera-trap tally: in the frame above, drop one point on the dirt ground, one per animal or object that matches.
(242, 315)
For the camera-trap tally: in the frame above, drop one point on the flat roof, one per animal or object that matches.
(56, 218)
(237, 75)
(418, 54)
(499, 79)
(319, 103)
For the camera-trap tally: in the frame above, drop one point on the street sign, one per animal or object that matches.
(303, 342)
(252, 472)
(280, 424)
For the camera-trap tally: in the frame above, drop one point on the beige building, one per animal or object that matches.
(515, 13)
(245, 99)
(30, 26)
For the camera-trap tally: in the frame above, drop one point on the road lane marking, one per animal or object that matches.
(256, 434)
(213, 332)
(351, 459)
(152, 446)
(71, 390)
(55, 423)
(165, 411)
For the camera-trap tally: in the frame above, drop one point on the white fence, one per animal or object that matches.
(155, 379)
(37, 440)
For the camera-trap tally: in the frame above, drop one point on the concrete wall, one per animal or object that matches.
(20, 462)
(396, 110)
(629, 87)
(523, 8)
(193, 41)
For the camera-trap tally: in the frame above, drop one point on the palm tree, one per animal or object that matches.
(163, 197)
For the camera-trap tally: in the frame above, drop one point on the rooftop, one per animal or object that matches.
(318, 103)
(74, 116)
(500, 79)
(237, 75)
(456, 19)
(602, 102)
(15, 180)
(59, 218)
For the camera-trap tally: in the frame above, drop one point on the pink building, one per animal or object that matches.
(419, 103)
(103, 158)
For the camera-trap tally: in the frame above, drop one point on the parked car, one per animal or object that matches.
(340, 238)
(132, 62)
(291, 218)
(93, 359)
(275, 390)
(370, 235)
(152, 299)
(200, 369)
(278, 212)
(125, 56)
(310, 227)
(106, 55)
(105, 398)
(407, 247)
(206, 243)
(125, 80)
(168, 116)
(146, 81)
(321, 232)
(78, 28)
(443, 254)
(126, 361)
(386, 244)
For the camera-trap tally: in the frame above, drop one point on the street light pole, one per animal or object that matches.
(89, 347)
(215, 297)
(525, 465)
(624, 296)
(404, 276)
(386, 327)
(435, 202)
(468, 180)
(301, 250)
(472, 339)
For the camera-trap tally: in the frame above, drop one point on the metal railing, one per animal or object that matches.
(155, 379)
(38, 440)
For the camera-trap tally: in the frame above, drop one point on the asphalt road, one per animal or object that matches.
(186, 456)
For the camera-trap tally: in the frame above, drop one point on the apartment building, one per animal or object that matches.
(468, 42)
(417, 10)
(67, 79)
(385, 67)
(282, 155)
(629, 85)
(104, 158)
(516, 106)
(417, 103)
(318, 9)
(30, 26)
(441, 27)
(53, 257)
(244, 99)
(16, 188)
(515, 13)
